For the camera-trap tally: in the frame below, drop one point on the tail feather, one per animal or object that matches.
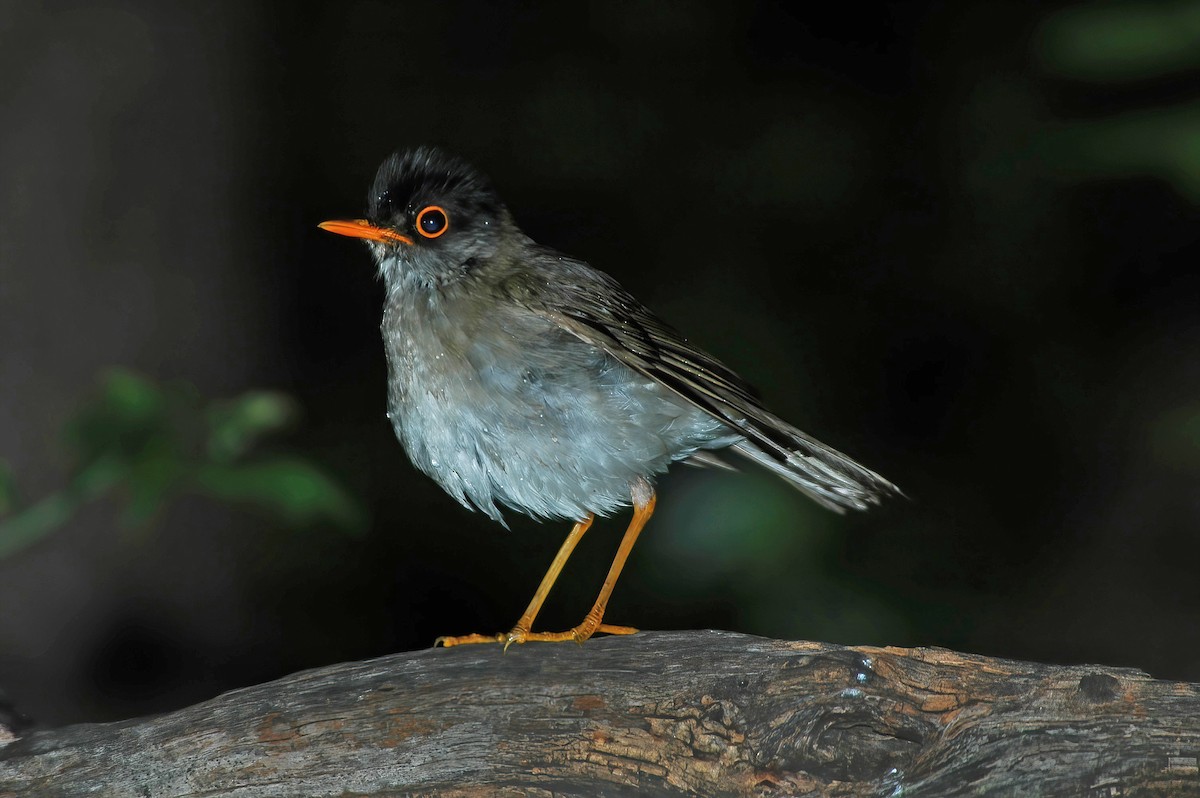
(825, 475)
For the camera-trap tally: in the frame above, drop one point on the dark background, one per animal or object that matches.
(956, 240)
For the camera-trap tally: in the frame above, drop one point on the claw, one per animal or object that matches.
(515, 635)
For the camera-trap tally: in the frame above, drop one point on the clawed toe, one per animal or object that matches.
(520, 635)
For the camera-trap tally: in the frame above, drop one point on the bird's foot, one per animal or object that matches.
(521, 635)
(448, 641)
(576, 634)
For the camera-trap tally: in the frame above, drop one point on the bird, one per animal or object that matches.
(525, 379)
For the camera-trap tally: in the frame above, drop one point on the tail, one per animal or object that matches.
(825, 475)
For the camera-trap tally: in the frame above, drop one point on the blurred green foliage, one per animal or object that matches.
(718, 529)
(1121, 44)
(149, 443)
(1122, 41)
(1175, 438)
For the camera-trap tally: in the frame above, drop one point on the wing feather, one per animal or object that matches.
(595, 308)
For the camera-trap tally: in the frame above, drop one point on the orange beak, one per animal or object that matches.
(361, 228)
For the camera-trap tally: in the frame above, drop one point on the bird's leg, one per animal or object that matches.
(643, 508)
(521, 629)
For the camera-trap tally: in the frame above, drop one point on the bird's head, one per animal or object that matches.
(431, 219)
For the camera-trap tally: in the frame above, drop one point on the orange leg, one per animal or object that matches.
(520, 633)
(539, 598)
(642, 510)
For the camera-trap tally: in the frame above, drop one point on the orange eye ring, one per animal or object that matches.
(432, 221)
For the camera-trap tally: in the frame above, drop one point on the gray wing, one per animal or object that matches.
(594, 307)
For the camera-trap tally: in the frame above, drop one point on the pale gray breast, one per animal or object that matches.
(500, 405)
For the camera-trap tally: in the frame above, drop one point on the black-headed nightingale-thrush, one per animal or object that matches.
(524, 378)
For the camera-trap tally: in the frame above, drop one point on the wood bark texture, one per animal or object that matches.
(655, 714)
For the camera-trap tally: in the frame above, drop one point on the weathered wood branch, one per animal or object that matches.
(656, 714)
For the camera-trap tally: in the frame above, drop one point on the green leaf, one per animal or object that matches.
(237, 425)
(39, 520)
(292, 489)
(130, 410)
(96, 479)
(35, 522)
(153, 479)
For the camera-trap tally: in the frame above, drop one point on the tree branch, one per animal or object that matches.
(656, 714)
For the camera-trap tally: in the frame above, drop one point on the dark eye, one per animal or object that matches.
(432, 221)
